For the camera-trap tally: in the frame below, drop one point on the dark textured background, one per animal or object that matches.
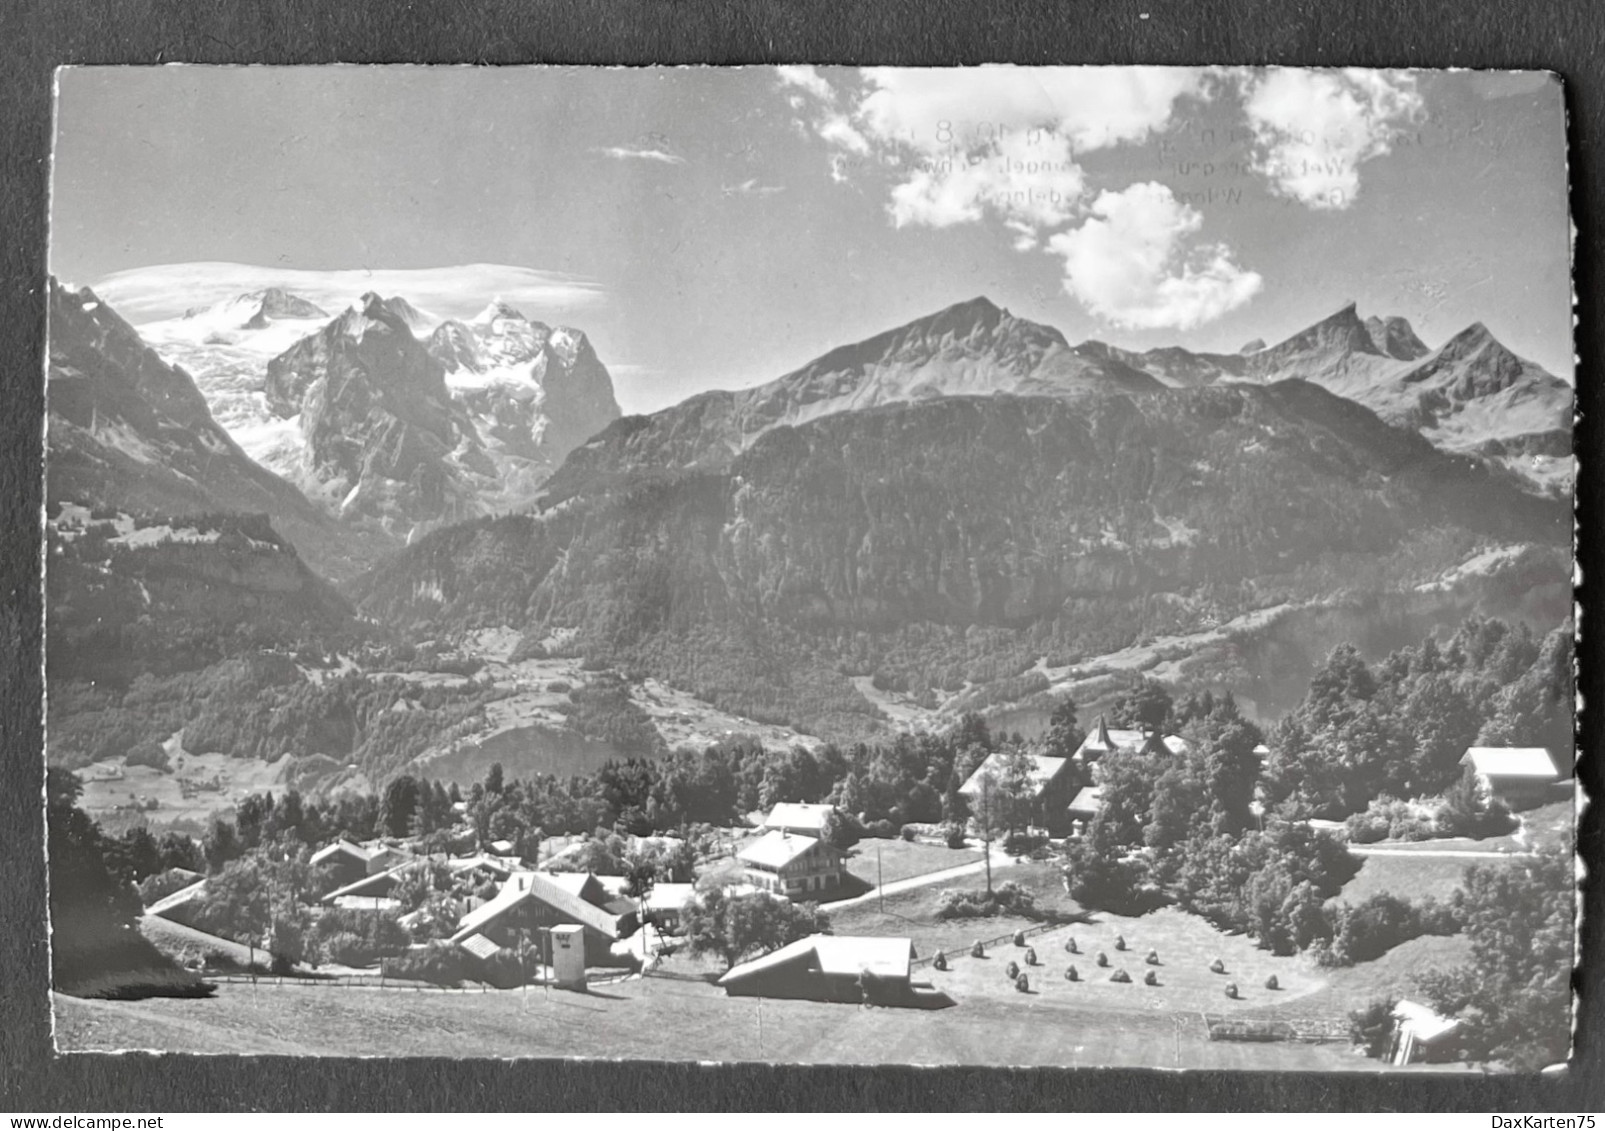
(1567, 36)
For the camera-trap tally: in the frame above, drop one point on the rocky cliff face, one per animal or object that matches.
(384, 442)
(534, 392)
(130, 431)
(387, 417)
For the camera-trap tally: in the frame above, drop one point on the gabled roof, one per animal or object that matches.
(377, 884)
(776, 849)
(1088, 801)
(798, 815)
(479, 946)
(1044, 769)
(1427, 1025)
(671, 895)
(847, 955)
(524, 887)
(339, 848)
(1103, 740)
(493, 864)
(1511, 761)
(582, 884)
(176, 899)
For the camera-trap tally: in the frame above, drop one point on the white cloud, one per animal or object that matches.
(1004, 144)
(1094, 107)
(627, 153)
(1004, 141)
(1313, 129)
(1130, 263)
(148, 294)
(1031, 183)
(808, 79)
(838, 131)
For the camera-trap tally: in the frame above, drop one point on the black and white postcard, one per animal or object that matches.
(994, 566)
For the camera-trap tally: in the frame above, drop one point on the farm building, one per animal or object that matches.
(531, 903)
(343, 861)
(791, 865)
(828, 968)
(1520, 776)
(373, 892)
(798, 818)
(667, 902)
(176, 907)
(1054, 782)
(1419, 1034)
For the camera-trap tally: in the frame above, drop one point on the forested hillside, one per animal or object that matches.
(962, 540)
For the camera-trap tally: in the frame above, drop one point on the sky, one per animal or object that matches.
(717, 227)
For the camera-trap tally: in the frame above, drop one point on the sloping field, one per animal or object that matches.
(636, 1019)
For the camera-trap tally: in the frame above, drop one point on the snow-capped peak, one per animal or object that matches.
(495, 311)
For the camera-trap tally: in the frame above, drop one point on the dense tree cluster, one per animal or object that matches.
(739, 926)
(1513, 998)
(1399, 729)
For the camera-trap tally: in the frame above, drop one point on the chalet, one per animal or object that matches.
(798, 818)
(1520, 776)
(342, 861)
(530, 904)
(790, 865)
(1054, 782)
(841, 968)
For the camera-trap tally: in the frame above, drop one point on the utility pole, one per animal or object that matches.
(880, 885)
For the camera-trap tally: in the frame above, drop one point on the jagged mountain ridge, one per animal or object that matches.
(127, 430)
(534, 391)
(518, 395)
(972, 348)
(1470, 395)
(1487, 403)
(1063, 517)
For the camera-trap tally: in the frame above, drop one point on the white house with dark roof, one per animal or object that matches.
(1520, 776)
(794, 866)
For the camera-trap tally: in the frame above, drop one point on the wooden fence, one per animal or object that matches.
(1308, 1030)
(380, 982)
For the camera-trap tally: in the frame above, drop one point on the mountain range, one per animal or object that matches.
(1471, 396)
(962, 512)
